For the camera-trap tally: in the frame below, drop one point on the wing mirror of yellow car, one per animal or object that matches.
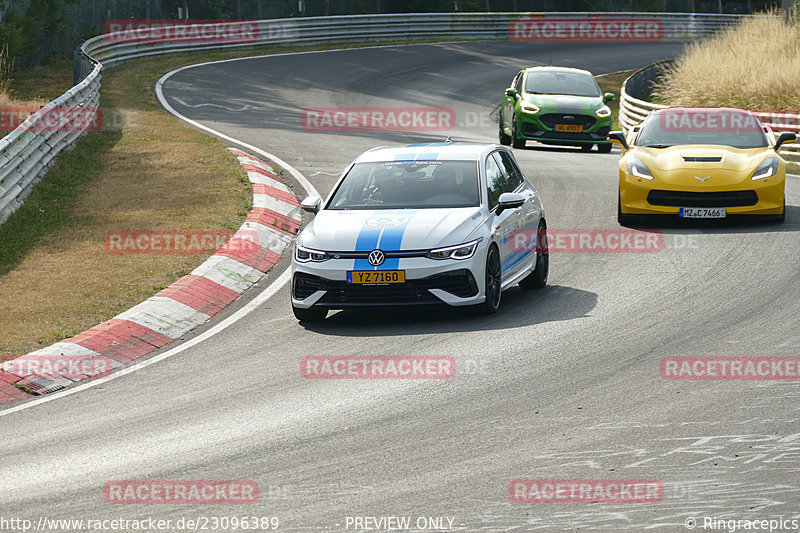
(785, 137)
(619, 138)
(511, 92)
(608, 97)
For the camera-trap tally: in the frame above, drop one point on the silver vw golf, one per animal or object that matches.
(421, 224)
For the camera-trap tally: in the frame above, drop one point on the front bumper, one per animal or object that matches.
(748, 197)
(541, 128)
(428, 281)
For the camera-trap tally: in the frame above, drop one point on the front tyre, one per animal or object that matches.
(516, 142)
(312, 314)
(493, 280)
(505, 139)
(623, 219)
(538, 278)
(604, 148)
(586, 147)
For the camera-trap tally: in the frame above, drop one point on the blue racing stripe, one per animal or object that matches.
(366, 242)
(418, 145)
(416, 156)
(370, 238)
(506, 265)
(392, 238)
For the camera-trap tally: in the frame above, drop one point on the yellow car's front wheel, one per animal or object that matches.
(623, 219)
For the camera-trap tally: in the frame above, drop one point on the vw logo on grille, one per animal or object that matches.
(376, 258)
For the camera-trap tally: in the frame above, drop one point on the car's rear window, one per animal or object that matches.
(408, 184)
(673, 127)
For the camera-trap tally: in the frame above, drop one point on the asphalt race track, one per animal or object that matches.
(562, 383)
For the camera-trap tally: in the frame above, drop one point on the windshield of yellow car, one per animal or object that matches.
(557, 82)
(672, 127)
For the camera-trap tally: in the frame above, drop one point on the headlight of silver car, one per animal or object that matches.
(639, 169)
(766, 169)
(304, 255)
(460, 251)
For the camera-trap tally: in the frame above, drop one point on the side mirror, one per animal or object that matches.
(619, 138)
(509, 200)
(608, 97)
(311, 204)
(785, 137)
(512, 92)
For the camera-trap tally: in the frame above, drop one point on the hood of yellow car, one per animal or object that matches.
(702, 166)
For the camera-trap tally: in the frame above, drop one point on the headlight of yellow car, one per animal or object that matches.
(530, 108)
(766, 169)
(639, 169)
(603, 111)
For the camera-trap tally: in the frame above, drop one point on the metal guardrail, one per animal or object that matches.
(26, 153)
(633, 107)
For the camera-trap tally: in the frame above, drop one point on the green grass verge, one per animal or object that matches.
(612, 83)
(49, 208)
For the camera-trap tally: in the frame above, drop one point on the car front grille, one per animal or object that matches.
(702, 159)
(460, 283)
(551, 119)
(702, 199)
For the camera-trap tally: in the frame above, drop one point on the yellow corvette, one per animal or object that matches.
(700, 163)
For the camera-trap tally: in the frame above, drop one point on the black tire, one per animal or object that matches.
(505, 139)
(586, 147)
(624, 220)
(493, 282)
(780, 219)
(538, 278)
(312, 314)
(516, 142)
(604, 148)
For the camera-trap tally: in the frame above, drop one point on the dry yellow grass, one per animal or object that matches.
(754, 65)
(13, 111)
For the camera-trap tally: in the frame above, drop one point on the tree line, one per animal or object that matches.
(38, 31)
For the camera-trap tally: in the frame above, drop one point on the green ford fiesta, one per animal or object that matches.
(555, 105)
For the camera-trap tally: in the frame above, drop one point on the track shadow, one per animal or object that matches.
(519, 308)
(730, 224)
(562, 149)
